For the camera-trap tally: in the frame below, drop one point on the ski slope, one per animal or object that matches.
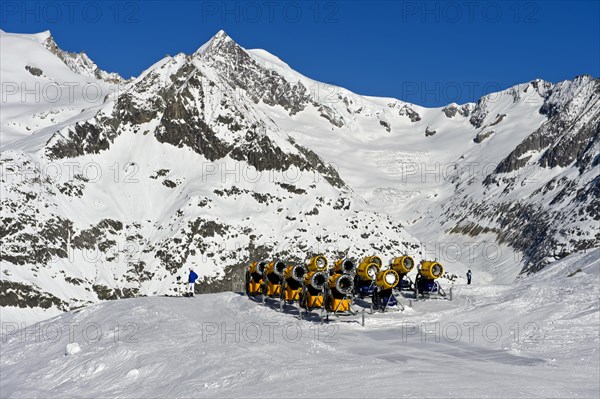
(208, 346)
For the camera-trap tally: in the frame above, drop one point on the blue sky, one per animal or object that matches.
(430, 53)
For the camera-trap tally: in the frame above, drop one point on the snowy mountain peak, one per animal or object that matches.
(220, 39)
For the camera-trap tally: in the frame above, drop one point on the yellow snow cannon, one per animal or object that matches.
(426, 283)
(372, 259)
(383, 297)
(364, 281)
(317, 263)
(293, 276)
(367, 271)
(344, 266)
(431, 270)
(402, 264)
(254, 277)
(314, 287)
(340, 293)
(274, 275)
(387, 279)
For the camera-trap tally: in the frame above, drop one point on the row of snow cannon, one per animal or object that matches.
(317, 285)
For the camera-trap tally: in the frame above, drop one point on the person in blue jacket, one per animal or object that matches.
(469, 275)
(192, 282)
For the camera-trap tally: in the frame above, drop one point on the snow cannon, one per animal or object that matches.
(313, 290)
(403, 265)
(254, 277)
(383, 295)
(372, 259)
(293, 277)
(431, 270)
(317, 263)
(273, 278)
(364, 281)
(426, 283)
(344, 266)
(340, 293)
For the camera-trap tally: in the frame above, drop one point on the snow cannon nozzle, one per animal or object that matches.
(295, 273)
(342, 283)
(316, 279)
(276, 267)
(344, 266)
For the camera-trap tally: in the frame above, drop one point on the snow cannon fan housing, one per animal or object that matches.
(317, 263)
(315, 280)
(367, 271)
(274, 271)
(342, 283)
(431, 270)
(372, 259)
(344, 266)
(293, 277)
(257, 267)
(294, 273)
(403, 264)
(387, 279)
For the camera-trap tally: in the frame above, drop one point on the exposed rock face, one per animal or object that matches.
(451, 110)
(34, 71)
(571, 132)
(482, 136)
(410, 113)
(386, 125)
(80, 63)
(429, 132)
(539, 225)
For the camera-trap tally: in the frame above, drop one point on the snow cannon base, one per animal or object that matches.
(384, 299)
(363, 288)
(254, 288)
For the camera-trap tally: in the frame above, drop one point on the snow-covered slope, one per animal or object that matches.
(172, 171)
(535, 338)
(225, 155)
(44, 87)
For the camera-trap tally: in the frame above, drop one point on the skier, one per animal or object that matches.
(469, 274)
(192, 280)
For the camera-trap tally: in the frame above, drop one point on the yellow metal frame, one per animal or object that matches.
(340, 304)
(254, 287)
(314, 301)
(292, 295)
(273, 289)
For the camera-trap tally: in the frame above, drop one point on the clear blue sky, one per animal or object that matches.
(429, 53)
